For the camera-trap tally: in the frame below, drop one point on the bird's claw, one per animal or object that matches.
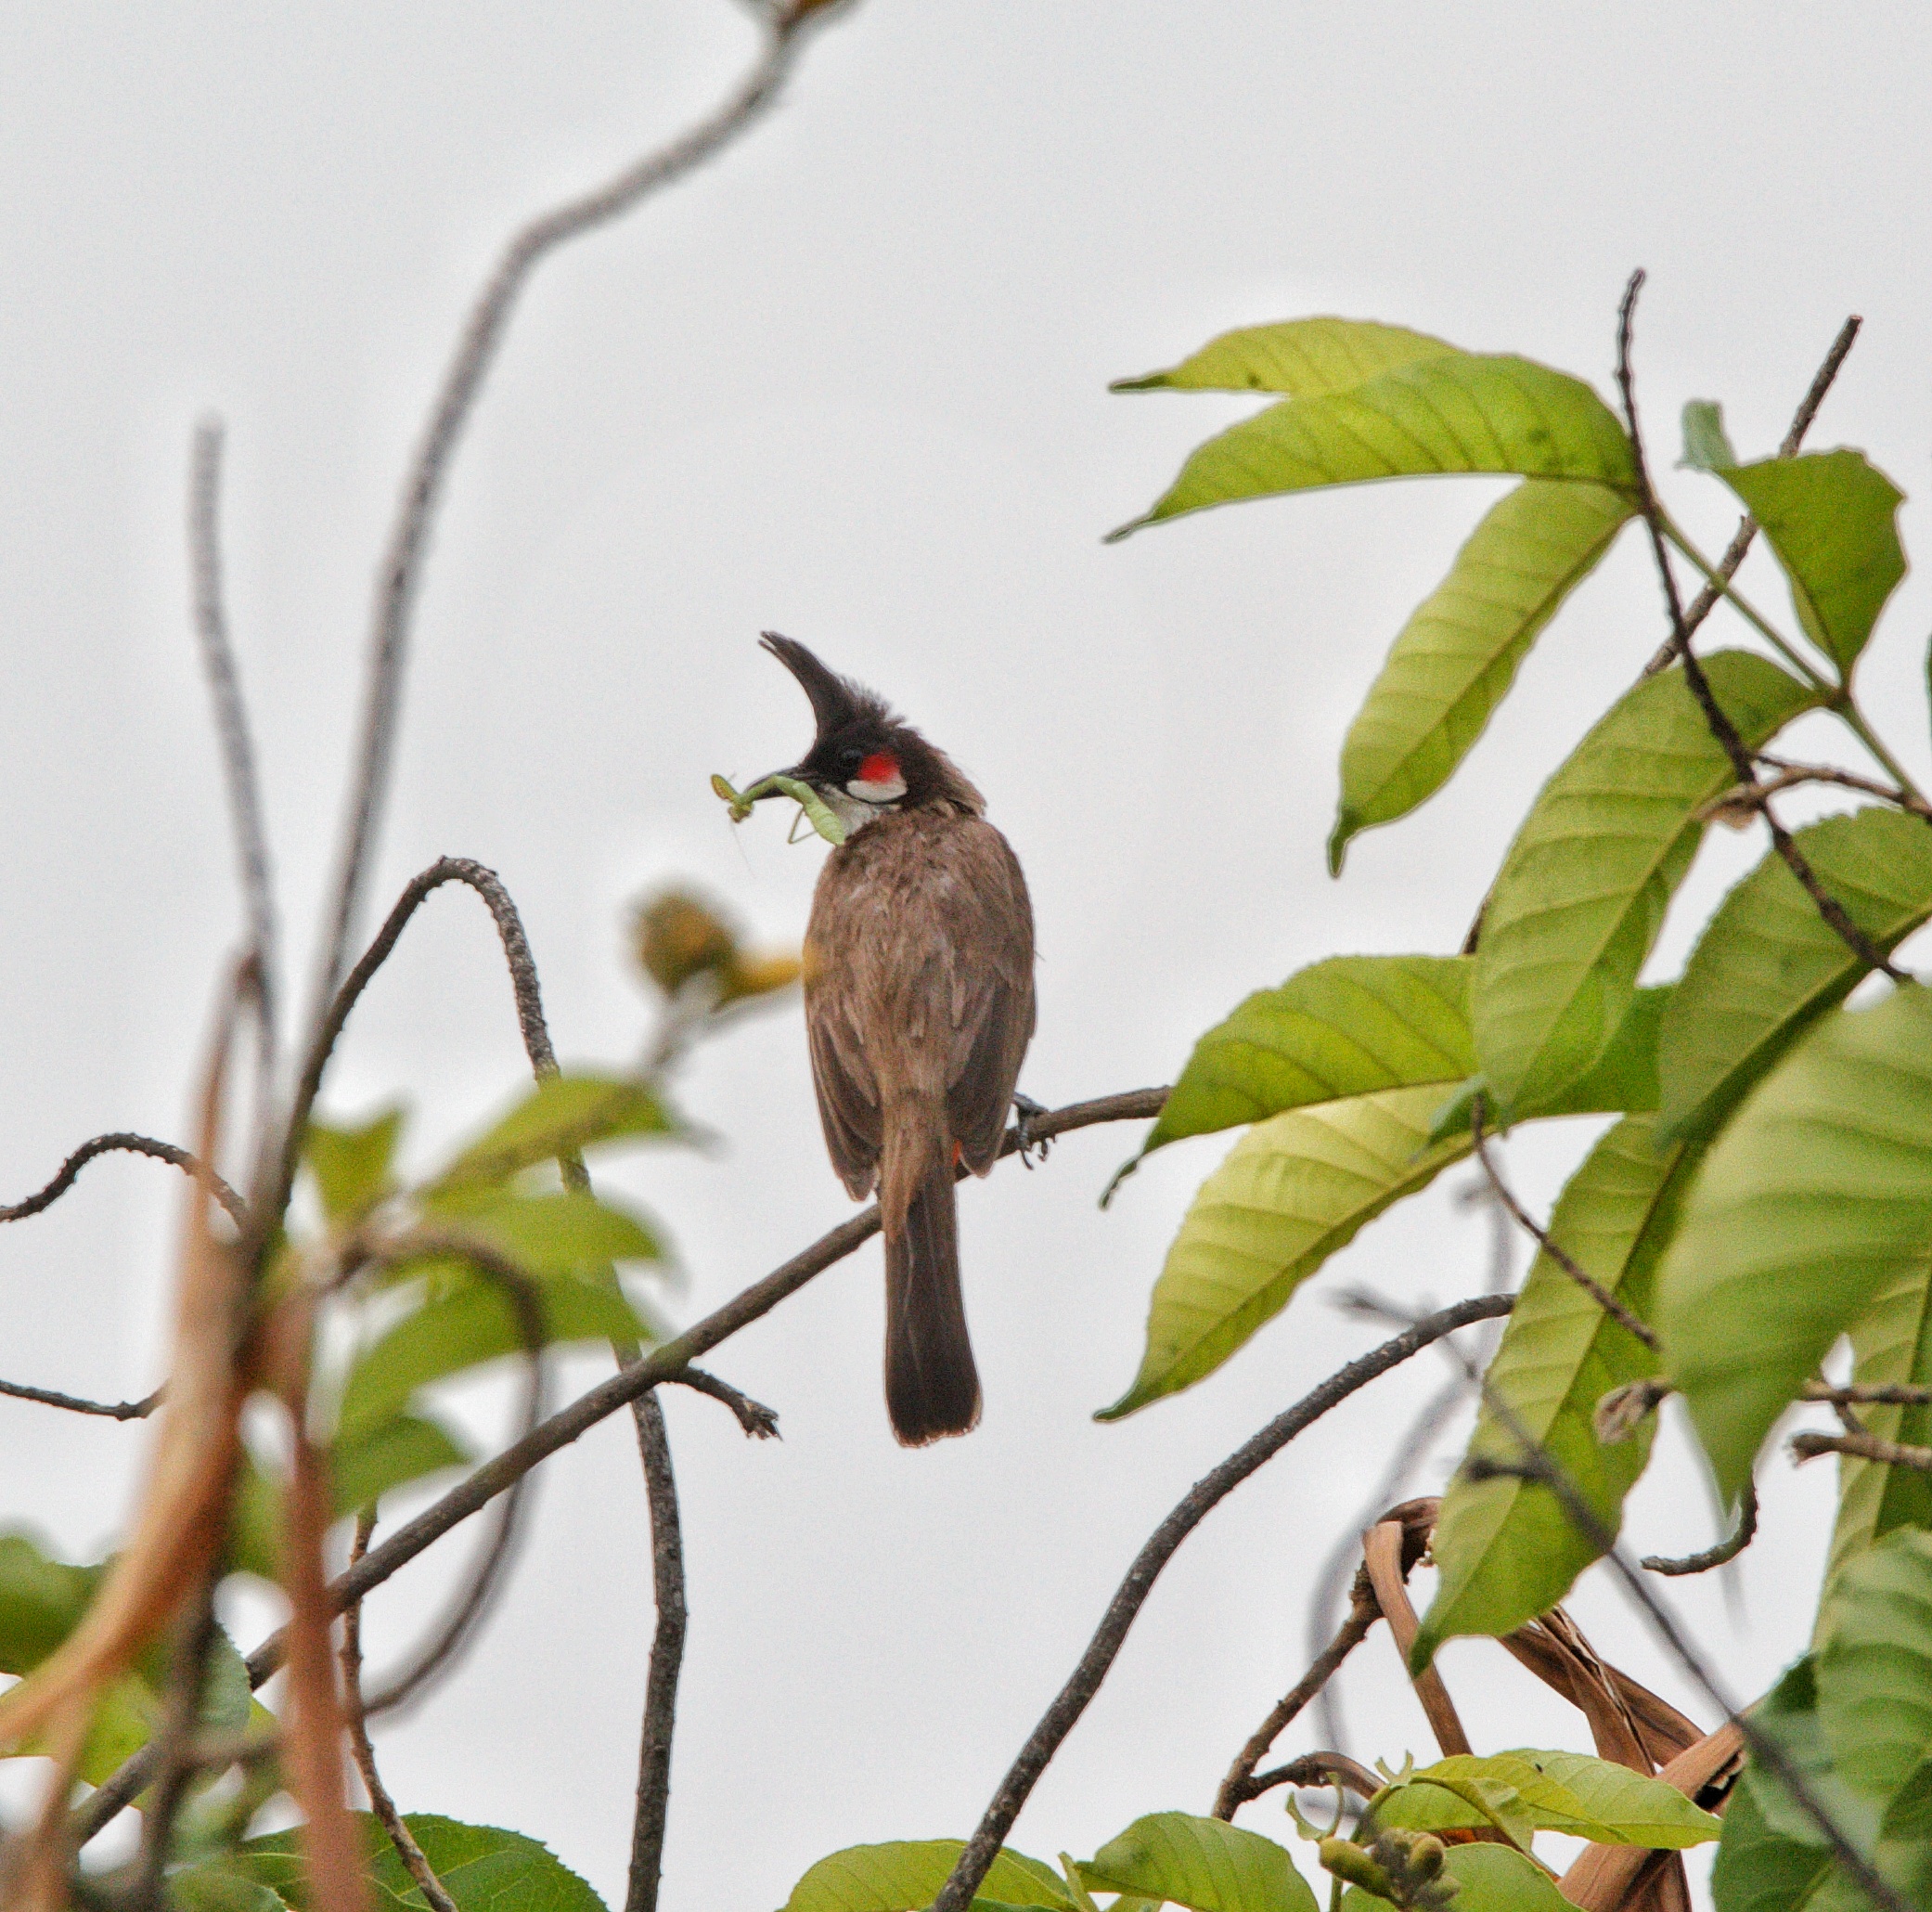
(1024, 1111)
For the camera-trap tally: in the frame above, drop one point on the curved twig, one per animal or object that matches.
(107, 1410)
(759, 1422)
(482, 333)
(666, 1660)
(122, 1142)
(1201, 1500)
(1315, 1769)
(1726, 1550)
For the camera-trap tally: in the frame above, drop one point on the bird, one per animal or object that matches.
(918, 1003)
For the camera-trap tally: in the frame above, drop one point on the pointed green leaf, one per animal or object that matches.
(1202, 1864)
(1814, 1199)
(1707, 446)
(1892, 1346)
(1759, 1870)
(561, 1115)
(1455, 659)
(554, 1232)
(1302, 357)
(351, 1164)
(1874, 1665)
(904, 1876)
(1583, 891)
(1768, 966)
(365, 1467)
(470, 1324)
(1293, 1189)
(1537, 1792)
(1832, 519)
(1344, 1027)
(1505, 1550)
(216, 1887)
(1454, 412)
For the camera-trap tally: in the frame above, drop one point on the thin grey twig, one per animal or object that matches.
(414, 1861)
(231, 721)
(666, 1660)
(400, 570)
(1791, 775)
(1206, 1494)
(1706, 600)
(1865, 1446)
(759, 1422)
(1720, 727)
(123, 1143)
(666, 1362)
(107, 1410)
(1587, 1282)
(1726, 1550)
(1868, 1394)
(1316, 1769)
(194, 1638)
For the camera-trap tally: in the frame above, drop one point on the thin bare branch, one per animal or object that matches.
(414, 1863)
(1883, 1394)
(667, 1362)
(666, 1660)
(124, 1143)
(1726, 1550)
(1790, 776)
(1588, 1283)
(1214, 1487)
(231, 720)
(1315, 1769)
(107, 1410)
(482, 333)
(194, 1639)
(1721, 728)
(1706, 600)
(1864, 1446)
(759, 1422)
(1239, 1785)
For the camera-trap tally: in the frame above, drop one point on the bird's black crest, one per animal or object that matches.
(836, 701)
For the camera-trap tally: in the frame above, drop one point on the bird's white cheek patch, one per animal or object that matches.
(878, 789)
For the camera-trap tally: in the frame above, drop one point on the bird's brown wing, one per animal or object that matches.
(991, 989)
(848, 1094)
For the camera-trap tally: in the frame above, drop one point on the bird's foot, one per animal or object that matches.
(1024, 1112)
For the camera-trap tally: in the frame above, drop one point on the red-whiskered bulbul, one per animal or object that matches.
(918, 1007)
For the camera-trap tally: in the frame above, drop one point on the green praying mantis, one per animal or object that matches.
(809, 802)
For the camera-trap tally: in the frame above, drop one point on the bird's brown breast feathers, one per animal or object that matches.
(919, 984)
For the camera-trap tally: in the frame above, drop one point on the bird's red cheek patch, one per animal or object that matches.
(880, 779)
(881, 767)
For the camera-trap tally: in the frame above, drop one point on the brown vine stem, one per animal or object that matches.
(1720, 727)
(1214, 1487)
(1865, 1446)
(122, 1142)
(667, 1362)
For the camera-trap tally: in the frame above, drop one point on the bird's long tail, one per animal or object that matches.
(931, 1387)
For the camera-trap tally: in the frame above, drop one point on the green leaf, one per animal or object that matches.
(906, 1876)
(1815, 1197)
(1506, 1550)
(365, 1467)
(1892, 1346)
(1449, 413)
(1491, 1877)
(1304, 356)
(561, 1115)
(1707, 445)
(1293, 1189)
(352, 1165)
(1344, 1027)
(1831, 519)
(1758, 1869)
(1768, 966)
(1583, 891)
(550, 1232)
(471, 1324)
(1455, 659)
(1874, 1665)
(217, 1887)
(1202, 1864)
(41, 1601)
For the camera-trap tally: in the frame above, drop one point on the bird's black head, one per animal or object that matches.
(865, 761)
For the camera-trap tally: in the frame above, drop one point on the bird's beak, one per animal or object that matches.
(788, 770)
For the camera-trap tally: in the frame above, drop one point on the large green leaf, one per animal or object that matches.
(1506, 1550)
(1831, 519)
(1450, 412)
(1455, 659)
(1583, 891)
(1892, 1346)
(560, 1116)
(1874, 1665)
(391, 1453)
(905, 1876)
(351, 1164)
(1291, 1191)
(1814, 1199)
(1302, 357)
(1202, 1864)
(553, 1232)
(1768, 966)
(467, 1324)
(1344, 1027)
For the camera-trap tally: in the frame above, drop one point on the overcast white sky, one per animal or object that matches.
(850, 383)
